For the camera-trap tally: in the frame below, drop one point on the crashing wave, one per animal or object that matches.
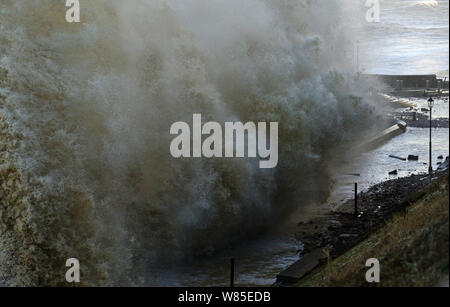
(85, 113)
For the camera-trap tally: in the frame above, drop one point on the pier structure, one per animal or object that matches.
(412, 85)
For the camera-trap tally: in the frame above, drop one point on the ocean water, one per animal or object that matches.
(411, 38)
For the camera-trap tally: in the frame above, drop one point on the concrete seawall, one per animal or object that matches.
(410, 81)
(385, 136)
(412, 85)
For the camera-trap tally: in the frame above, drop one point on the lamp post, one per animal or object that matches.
(357, 57)
(430, 105)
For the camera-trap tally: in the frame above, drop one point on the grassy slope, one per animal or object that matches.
(413, 248)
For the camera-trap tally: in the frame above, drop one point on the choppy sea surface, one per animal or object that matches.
(411, 38)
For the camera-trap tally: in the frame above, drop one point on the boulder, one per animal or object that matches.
(334, 225)
(413, 158)
(346, 236)
(444, 165)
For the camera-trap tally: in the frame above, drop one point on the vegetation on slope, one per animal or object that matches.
(413, 248)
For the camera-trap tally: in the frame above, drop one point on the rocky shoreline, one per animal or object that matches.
(420, 120)
(339, 230)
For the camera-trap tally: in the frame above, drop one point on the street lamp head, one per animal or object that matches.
(431, 102)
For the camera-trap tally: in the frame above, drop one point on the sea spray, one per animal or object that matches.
(237, 140)
(86, 110)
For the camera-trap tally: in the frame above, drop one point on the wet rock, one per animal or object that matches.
(394, 172)
(347, 236)
(334, 225)
(441, 158)
(395, 157)
(421, 120)
(381, 202)
(323, 261)
(413, 158)
(444, 165)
